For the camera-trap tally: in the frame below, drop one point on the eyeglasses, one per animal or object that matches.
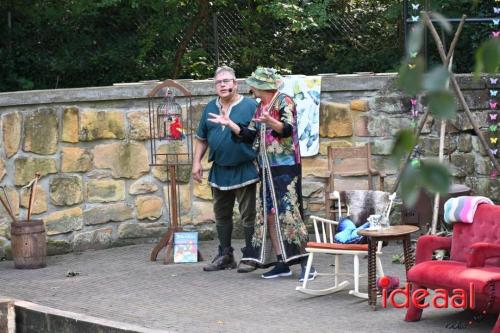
(225, 81)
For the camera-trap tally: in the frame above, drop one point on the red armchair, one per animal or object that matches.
(474, 258)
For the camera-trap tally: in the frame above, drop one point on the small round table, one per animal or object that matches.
(388, 234)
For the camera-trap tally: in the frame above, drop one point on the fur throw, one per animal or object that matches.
(362, 203)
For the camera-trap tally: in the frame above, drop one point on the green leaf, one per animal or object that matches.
(442, 21)
(435, 177)
(437, 79)
(410, 185)
(442, 104)
(410, 76)
(404, 142)
(488, 57)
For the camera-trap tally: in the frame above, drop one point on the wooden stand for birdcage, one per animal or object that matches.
(167, 241)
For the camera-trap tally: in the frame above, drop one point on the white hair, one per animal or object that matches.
(223, 69)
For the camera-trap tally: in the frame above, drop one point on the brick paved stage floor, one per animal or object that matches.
(121, 284)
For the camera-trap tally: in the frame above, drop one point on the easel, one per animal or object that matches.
(171, 162)
(446, 58)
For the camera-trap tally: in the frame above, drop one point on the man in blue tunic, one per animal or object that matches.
(233, 175)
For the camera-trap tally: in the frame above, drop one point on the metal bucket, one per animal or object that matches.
(29, 244)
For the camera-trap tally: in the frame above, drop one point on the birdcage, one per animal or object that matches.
(170, 124)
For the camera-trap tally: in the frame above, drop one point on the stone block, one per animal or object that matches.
(335, 120)
(75, 159)
(142, 186)
(66, 190)
(70, 126)
(359, 105)
(323, 145)
(11, 131)
(430, 145)
(483, 166)
(149, 207)
(361, 126)
(315, 167)
(202, 190)
(27, 167)
(202, 211)
(40, 132)
(485, 186)
(13, 197)
(5, 230)
(464, 143)
(64, 221)
(108, 213)
(3, 172)
(96, 125)
(140, 230)
(312, 189)
(57, 246)
(126, 160)
(382, 147)
(182, 175)
(95, 239)
(40, 203)
(184, 196)
(138, 125)
(462, 165)
(392, 104)
(105, 190)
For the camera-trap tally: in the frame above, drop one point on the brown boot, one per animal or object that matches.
(224, 260)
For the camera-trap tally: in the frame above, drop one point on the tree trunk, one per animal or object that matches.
(200, 17)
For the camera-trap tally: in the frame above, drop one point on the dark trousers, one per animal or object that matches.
(223, 210)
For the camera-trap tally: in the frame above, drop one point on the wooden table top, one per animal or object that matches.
(393, 230)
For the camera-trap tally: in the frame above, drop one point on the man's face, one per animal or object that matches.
(225, 84)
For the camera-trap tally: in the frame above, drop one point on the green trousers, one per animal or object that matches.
(223, 210)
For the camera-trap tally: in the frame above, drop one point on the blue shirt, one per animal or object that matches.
(233, 161)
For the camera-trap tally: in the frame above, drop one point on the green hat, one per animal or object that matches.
(264, 79)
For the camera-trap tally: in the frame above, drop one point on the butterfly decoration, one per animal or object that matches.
(315, 96)
(493, 80)
(492, 116)
(413, 101)
(413, 124)
(415, 6)
(493, 93)
(496, 10)
(493, 105)
(412, 66)
(414, 18)
(493, 174)
(493, 128)
(493, 140)
(413, 54)
(494, 151)
(495, 34)
(496, 21)
(306, 135)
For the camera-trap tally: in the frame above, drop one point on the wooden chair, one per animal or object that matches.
(349, 168)
(324, 230)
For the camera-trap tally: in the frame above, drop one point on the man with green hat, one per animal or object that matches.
(233, 174)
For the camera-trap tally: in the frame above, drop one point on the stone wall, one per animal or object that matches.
(97, 189)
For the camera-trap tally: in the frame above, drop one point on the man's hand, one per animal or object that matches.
(197, 171)
(221, 119)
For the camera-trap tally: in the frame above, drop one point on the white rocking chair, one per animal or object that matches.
(324, 232)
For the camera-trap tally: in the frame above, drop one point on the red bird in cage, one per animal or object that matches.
(176, 129)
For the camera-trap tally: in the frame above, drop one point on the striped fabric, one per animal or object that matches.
(462, 209)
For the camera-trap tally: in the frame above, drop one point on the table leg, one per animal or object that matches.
(372, 273)
(409, 258)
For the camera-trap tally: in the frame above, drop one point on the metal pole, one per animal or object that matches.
(216, 39)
